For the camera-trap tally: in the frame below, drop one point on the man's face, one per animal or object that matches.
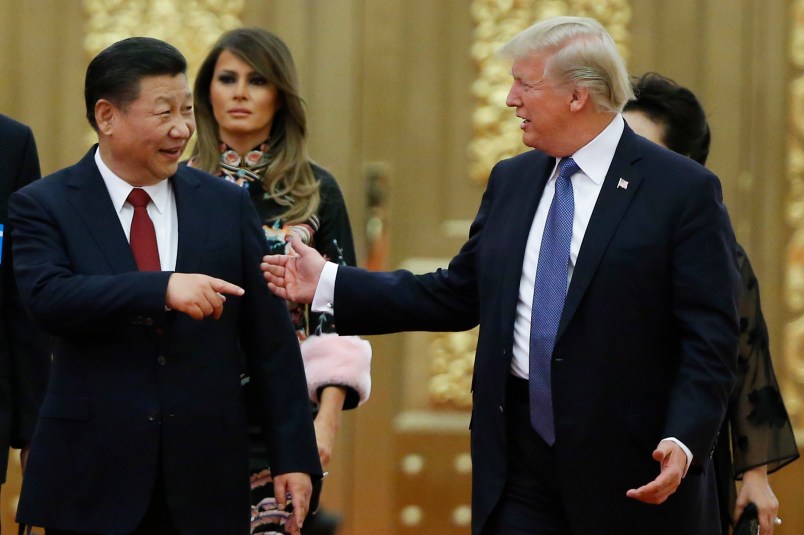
(542, 104)
(143, 141)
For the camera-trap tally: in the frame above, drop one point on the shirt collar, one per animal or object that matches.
(119, 188)
(595, 157)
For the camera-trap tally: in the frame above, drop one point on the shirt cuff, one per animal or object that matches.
(687, 452)
(324, 298)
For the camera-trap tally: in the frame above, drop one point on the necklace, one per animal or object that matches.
(246, 169)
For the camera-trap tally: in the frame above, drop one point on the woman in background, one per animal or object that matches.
(252, 130)
(762, 439)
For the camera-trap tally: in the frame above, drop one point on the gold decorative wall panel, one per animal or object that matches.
(192, 26)
(452, 357)
(495, 132)
(793, 383)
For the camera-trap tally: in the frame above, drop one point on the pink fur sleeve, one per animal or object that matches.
(330, 359)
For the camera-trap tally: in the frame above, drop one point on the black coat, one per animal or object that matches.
(24, 348)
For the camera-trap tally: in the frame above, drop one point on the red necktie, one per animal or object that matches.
(143, 235)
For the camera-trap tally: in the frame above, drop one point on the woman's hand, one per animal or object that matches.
(755, 488)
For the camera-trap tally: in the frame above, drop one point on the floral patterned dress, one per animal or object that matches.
(330, 360)
(757, 421)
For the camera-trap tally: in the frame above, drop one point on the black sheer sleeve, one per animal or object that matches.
(761, 432)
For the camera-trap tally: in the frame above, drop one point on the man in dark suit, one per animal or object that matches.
(24, 348)
(601, 270)
(128, 261)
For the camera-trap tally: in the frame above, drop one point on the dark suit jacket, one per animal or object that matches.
(646, 344)
(133, 385)
(24, 348)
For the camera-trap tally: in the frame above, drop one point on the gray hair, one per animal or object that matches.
(583, 53)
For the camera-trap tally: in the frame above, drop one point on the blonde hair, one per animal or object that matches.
(289, 178)
(583, 53)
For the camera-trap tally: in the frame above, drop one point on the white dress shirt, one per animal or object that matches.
(161, 209)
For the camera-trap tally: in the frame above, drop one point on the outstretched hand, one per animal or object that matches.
(294, 277)
(673, 462)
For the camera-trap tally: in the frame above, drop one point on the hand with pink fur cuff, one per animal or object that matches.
(333, 360)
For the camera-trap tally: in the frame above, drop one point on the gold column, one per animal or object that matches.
(793, 342)
(190, 25)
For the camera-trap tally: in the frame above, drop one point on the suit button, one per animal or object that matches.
(501, 408)
(148, 321)
(558, 358)
(153, 418)
(161, 360)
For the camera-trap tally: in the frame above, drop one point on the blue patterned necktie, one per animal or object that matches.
(548, 300)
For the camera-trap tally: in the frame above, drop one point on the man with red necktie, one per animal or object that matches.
(148, 276)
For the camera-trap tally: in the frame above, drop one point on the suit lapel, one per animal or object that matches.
(87, 193)
(606, 215)
(524, 199)
(194, 213)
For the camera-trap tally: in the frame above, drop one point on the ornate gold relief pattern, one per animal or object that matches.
(793, 382)
(192, 26)
(452, 361)
(495, 128)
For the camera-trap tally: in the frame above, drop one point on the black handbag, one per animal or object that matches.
(748, 523)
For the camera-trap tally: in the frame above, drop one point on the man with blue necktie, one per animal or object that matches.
(601, 270)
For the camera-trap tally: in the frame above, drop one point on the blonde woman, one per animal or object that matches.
(252, 130)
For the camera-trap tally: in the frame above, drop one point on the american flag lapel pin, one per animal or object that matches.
(622, 184)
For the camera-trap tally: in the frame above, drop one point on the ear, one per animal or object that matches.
(105, 113)
(579, 98)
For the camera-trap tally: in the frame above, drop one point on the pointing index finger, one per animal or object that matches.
(223, 287)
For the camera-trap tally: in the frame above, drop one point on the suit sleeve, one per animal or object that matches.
(64, 302)
(274, 361)
(444, 300)
(706, 290)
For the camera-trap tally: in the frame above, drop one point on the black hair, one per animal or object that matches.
(115, 73)
(677, 111)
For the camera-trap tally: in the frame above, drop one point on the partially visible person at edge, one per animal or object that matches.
(601, 269)
(148, 276)
(757, 437)
(252, 130)
(24, 347)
